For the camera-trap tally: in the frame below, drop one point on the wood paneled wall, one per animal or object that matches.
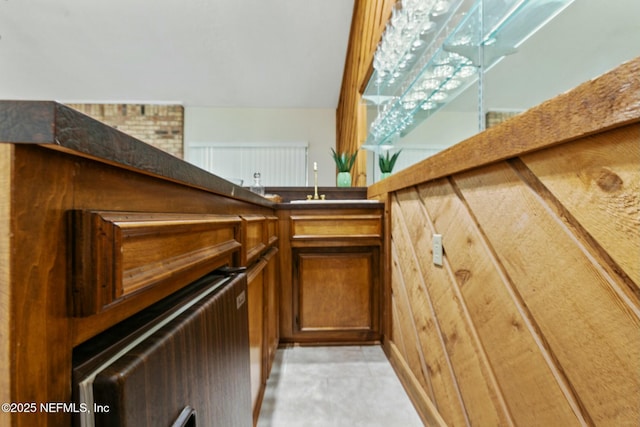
(367, 25)
(534, 318)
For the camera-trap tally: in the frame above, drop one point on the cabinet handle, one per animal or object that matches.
(187, 418)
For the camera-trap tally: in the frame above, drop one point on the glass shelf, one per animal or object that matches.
(445, 56)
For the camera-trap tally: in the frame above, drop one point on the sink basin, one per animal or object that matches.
(335, 201)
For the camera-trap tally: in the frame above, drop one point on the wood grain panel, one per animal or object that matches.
(199, 357)
(336, 298)
(285, 292)
(272, 230)
(254, 238)
(335, 226)
(40, 129)
(425, 407)
(6, 171)
(124, 190)
(335, 294)
(598, 181)
(445, 385)
(117, 254)
(405, 335)
(510, 339)
(40, 333)
(482, 398)
(593, 336)
(271, 307)
(255, 304)
(540, 219)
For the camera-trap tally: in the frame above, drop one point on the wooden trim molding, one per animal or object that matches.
(421, 401)
(116, 255)
(6, 239)
(367, 24)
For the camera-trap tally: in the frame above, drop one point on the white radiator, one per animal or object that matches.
(279, 163)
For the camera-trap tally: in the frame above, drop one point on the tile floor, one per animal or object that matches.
(335, 387)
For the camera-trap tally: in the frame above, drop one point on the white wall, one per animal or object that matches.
(317, 127)
(444, 129)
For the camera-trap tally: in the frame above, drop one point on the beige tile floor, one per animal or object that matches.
(335, 387)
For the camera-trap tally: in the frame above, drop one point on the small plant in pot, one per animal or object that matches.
(344, 163)
(387, 163)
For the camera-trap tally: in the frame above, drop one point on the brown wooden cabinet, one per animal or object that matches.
(95, 228)
(118, 258)
(332, 294)
(262, 286)
(335, 293)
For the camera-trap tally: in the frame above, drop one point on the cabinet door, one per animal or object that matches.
(336, 294)
(263, 327)
(256, 330)
(271, 305)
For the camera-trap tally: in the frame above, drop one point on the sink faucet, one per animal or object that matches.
(315, 187)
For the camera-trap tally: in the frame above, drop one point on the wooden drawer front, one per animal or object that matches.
(119, 254)
(336, 226)
(272, 230)
(254, 237)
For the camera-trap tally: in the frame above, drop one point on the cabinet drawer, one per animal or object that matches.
(254, 238)
(336, 226)
(121, 255)
(272, 230)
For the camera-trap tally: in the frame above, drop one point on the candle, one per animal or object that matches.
(315, 166)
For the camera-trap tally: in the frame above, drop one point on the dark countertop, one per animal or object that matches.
(56, 126)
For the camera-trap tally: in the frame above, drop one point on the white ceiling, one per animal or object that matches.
(217, 53)
(261, 53)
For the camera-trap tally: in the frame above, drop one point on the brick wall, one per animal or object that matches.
(494, 118)
(159, 125)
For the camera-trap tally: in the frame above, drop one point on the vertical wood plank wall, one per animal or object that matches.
(533, 319)
(367, 25)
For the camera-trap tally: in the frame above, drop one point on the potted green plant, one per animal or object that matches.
(387, 163)
(344, 163)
